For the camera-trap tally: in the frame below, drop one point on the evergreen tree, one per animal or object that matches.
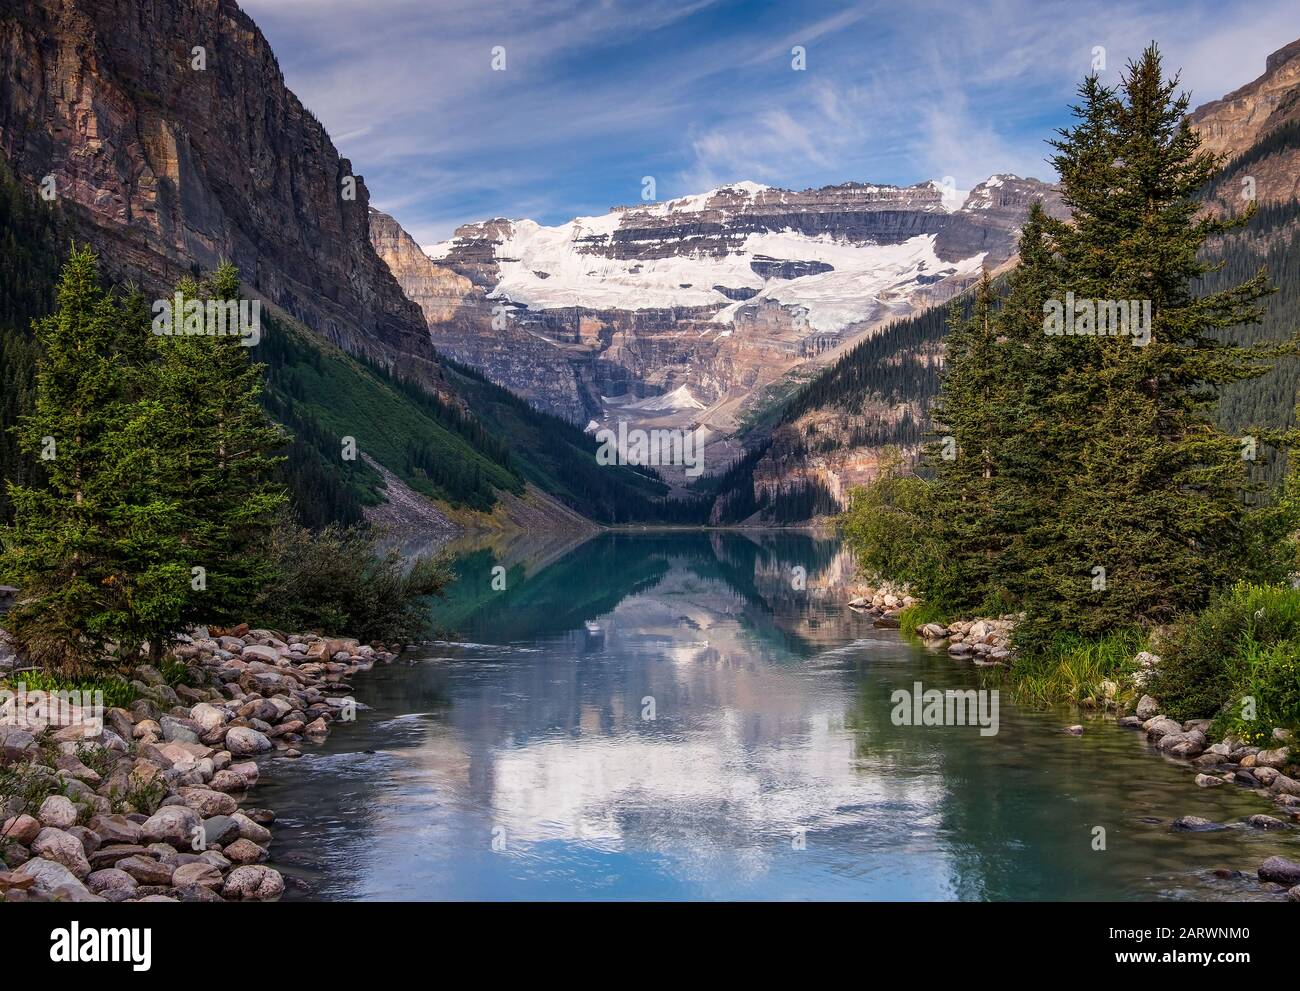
(216, 455)
(1031, 363)
(81, 547)
(30, 242)
(1151, 511)
(974, 418)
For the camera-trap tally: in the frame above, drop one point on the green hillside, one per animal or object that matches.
(559, 458)
(322, 395)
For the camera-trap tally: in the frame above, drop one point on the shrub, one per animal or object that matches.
(175, 673)
(344, 581)
(143, 797)
(23, 788)
(1265, 692)
(98, 758)
(886, 527)
(1243, 644)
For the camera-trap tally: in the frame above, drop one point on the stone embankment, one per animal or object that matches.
(149, 802)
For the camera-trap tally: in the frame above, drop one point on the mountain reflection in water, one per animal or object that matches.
(683, 715)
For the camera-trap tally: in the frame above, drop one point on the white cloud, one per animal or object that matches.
(598, 94)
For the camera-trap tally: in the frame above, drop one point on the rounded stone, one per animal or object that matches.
(172, 824)
(58, 812)
(253, 883)
(244, 851)
(242, 741)
(203, 874)
(62, 848)
(110, 877)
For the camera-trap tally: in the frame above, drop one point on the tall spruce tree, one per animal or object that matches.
(82, 547)
(1151, 511)
(989, 491)
(971, 418)
(158, 458)
(217, 451)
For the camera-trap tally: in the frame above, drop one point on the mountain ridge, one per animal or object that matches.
(171, 142)
(725, 293)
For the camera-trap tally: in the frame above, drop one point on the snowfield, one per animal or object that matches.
(547, 268)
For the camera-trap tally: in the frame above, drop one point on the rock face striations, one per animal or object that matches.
(707, 298)
(1243, 121)
(169, 135)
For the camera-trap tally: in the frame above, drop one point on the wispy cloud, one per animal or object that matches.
(699, 92)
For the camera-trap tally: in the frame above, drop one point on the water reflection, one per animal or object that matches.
(524, 762)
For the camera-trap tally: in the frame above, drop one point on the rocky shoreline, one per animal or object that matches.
(148, 803)
(1271, 773)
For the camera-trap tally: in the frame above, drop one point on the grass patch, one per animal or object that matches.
(175, 673)
(1072, 668)
(117, 690)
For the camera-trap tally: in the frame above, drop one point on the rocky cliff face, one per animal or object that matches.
(680, 313)
(438, 291)
(460, 318)
(1230, 125)
(168, 163)
(1248, 115)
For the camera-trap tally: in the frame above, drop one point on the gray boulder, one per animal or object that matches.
(63, 848)
(253, 882)
(52, 877)
(222, 829)
(110, 877)
(242, 741)
(57, 812)
(1280, 870)
(173, 824)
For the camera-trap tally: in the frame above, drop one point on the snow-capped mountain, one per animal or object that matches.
(709, 297)
(723, 249)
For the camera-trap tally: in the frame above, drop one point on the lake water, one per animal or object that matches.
(522, 762)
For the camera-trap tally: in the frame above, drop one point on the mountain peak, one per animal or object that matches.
(684, 307)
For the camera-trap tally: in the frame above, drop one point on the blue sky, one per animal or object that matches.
(597, 94)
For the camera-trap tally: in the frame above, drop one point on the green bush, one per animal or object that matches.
(886, 526)
(1242, 645)
(1265, 692)
(343, 581)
